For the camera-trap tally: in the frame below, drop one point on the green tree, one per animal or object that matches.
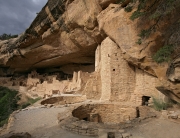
(7, 36)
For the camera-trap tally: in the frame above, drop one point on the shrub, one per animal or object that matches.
(139, 42)
(163, 54)
(24, 105)
(144, 33)
(8, 103)
(160, 105)
(29, 102)
(154, 12)
(32, 101)
(7, 36)
(128, 8)
(4, 122)
(136, 14)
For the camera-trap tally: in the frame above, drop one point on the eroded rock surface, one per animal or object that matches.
(56, 37)
(17, 135)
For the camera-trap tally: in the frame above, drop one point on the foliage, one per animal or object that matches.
(155, 15)
(7, 36)
(24, 105)
(150, 10)
(163, 54)
(156, 9)
(139, 42)
(144, 33)
(160, 105)
(128, 8)
(30, 101)
(4, 122)
(136, 14)
(153, 11)
(8, 103)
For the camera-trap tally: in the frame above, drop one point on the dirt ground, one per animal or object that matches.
(40, 123)
(156, 128)
(43, 123)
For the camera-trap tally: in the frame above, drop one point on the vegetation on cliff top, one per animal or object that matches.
(7, 36)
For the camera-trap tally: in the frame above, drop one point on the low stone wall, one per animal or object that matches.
(90, 128)
(105, 113)
(146, 112)
(90, 119)
(82, 128)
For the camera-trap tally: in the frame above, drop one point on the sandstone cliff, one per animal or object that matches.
(97, 36)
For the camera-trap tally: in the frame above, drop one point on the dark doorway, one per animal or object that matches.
(86, 119)
(111, 134)
(137, 112)
(41, 81)
(20, 83)
(145, 100)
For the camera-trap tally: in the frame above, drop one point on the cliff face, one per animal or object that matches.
(66, 34)
(56, 37)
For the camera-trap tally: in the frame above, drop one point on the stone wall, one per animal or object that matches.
(146, 112)
(105, 70)
(117, 76)
(92, 88)
(61, 86)
(122, 77)
(106, 113)
(11, 81)
(47, 85)
(145, 86)
(120, 81)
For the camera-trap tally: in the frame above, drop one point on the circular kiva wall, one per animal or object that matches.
(105, 113)
(53, 100)
(61, 100)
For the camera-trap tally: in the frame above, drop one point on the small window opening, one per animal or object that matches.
(145, 100)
